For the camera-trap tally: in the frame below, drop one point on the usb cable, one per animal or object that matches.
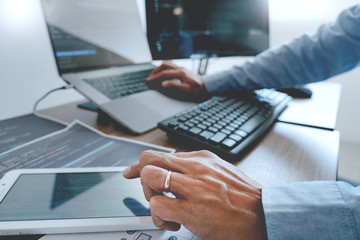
(69, 86)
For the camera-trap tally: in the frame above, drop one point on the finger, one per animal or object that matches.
(165, 225)
(163, 160)
(132, 171)
(201, 153)
(153, 178)
(179, 162)
(148, 192)
(167, 212)
(165, 65)
(166, 74)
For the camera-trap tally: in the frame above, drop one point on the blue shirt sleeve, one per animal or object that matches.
(333, 49)
(312, 210)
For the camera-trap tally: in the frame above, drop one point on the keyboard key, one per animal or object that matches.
(206, 135)
(227, 132)
(183, 128)
(230, 118)
(216, 118)
(195, 130)
(211, 121)
(230, 128)
(252, 124)
(198, 118)
(207, 123)
(202, 126)
(235, 125)
(227, 121)
(236, 137)
(194, 121)
(172, 124)
(242, 118)
(238, 122)
(241, 133)
(228, 143)
(222, 123)
(189, 124)
(218, 137)
(182, 119)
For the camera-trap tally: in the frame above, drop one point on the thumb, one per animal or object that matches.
(164, 212)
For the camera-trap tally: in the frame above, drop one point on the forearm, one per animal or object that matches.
(312, 210)
(333, 49)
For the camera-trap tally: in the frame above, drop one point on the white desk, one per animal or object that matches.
(319, 111)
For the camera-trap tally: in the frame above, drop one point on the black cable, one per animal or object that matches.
(48, 93)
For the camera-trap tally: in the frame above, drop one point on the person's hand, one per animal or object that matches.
(178, 81)
(214, 199)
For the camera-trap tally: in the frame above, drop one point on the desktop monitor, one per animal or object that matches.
(206, 28)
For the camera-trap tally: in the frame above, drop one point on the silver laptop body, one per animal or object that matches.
(100, 39)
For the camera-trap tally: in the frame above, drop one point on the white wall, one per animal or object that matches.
(27, 66)
(28, 70)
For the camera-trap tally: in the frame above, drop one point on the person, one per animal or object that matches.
(214, 199)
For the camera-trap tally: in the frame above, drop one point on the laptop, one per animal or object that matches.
(98, 46)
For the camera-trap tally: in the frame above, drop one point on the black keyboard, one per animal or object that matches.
(227, 126)
(121, 85)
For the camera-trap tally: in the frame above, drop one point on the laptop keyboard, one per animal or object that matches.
(121, 85)
(227, 126)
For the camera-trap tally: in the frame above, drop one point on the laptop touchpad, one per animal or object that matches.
(163, 105)
(141, 112)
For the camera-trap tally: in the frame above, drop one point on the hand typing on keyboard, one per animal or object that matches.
(190, 86)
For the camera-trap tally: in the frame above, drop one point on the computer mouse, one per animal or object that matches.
(297, 92)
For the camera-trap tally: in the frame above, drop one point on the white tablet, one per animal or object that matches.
(71, 200)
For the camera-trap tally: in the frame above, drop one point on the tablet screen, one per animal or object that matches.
(38, 196)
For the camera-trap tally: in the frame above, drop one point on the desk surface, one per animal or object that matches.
(287, 153)
(291, 153)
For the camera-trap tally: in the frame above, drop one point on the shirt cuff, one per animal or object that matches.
(310, 210)
(222, 82)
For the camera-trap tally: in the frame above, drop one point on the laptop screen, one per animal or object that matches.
(91, 34)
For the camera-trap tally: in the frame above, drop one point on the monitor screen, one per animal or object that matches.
(204, 28)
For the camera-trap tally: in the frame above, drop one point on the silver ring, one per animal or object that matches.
(167, 182)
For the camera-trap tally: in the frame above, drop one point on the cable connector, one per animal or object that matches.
(69, 86)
